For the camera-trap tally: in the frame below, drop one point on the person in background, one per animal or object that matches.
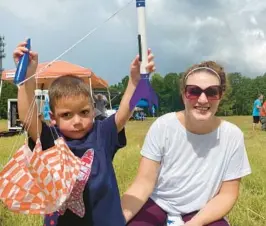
(256, 111)
(142, 116)
(263, 116)
(153, 111)
(100, 103)
(99, 115)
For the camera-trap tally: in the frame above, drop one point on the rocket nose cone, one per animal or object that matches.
(28, 43)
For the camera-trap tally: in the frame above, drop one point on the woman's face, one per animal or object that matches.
(202, 95)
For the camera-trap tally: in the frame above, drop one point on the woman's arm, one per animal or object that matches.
(219, 206)
(139, 192)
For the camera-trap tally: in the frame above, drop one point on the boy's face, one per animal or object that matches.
(73, 116)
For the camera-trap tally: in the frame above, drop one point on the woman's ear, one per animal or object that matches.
(53, 121)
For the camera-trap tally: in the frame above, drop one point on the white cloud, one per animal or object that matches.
(253, 20)
(255, 6)
(180, 33)
(42, 13)
(208, 21)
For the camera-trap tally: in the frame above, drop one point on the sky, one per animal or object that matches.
(179, 32)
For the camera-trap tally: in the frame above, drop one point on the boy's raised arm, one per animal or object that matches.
(26, 93)
(123, 114)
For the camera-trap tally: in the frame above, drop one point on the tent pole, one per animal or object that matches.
(91, 88)
(109, 97)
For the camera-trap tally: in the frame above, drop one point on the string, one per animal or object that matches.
(79, 41)
(19, 137)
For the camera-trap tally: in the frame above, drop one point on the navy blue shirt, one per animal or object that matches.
(101, 194)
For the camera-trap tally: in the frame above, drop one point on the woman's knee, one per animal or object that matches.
(149, 215)
(221, 222)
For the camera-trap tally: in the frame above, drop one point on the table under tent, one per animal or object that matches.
(45, 78)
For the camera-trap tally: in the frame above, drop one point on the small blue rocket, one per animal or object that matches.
(22, 65)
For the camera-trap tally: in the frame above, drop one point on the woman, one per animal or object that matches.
(192, 161)
(100, 104)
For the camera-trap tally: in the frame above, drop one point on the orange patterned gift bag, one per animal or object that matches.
(39, 182)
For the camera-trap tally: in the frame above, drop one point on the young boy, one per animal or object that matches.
(73, 118)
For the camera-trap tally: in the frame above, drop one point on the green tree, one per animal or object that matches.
(243, 92)
(8, 91)
(157, 83)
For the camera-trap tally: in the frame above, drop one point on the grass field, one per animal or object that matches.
(249, 211)
(3, 125)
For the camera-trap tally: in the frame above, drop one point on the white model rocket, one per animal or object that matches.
(144, 89)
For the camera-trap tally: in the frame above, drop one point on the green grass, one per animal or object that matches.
(3, 125)
(250, 209)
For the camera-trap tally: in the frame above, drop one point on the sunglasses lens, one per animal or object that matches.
(213, 93)
(193, 92)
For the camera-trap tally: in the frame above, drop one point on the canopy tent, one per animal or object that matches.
(142, 103)
(48, 72)
(60, 68)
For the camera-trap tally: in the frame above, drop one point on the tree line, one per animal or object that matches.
(238, 99)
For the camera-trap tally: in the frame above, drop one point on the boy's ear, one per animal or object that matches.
(53, 121)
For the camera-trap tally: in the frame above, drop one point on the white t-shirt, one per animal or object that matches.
(193, 166)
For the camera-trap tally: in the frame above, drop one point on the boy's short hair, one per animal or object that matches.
(68, 86)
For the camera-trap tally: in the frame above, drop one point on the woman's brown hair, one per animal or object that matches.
(207, 66)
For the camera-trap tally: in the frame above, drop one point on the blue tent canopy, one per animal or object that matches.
(142, 103)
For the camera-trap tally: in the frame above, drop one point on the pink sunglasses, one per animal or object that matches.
(193, 92)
